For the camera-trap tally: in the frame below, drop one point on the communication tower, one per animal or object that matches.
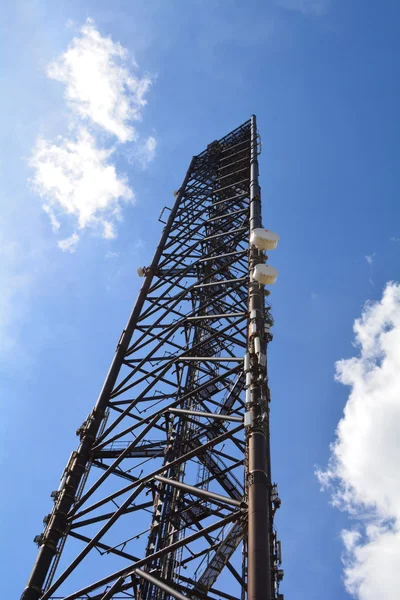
(169, 493)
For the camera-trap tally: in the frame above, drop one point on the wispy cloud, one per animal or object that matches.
(395, 239)
(142, 153)
(149, 149)
(363, 469)
(370, 258)
(306, 7)
(138, 244)
(100, 84)
(69, 244)
(55, 223)
(75, 175)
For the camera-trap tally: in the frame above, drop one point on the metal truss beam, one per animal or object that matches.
(172, 472)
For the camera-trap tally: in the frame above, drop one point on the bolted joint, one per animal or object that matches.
(121, 337)
(259, 423)
(278, 551)
(58, 522)
(256, 323)
(257, 477)
(39, 539)
(248, 419)
(82, 430)
(254, 289)
(42, 540)
(27, 593)
(275, 499)
(69, 492)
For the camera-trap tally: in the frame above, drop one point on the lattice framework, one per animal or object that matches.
(154, 503)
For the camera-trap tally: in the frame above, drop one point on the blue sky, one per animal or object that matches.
(322, 78)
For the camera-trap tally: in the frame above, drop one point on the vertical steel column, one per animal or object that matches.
(257, 430)
(56, 528)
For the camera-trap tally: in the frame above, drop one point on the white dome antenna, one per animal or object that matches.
(265, 274)
(263, 239)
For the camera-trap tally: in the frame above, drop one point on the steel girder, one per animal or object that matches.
(154, 502)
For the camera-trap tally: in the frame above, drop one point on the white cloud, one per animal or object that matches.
(370, 258)
(306, 7)
(363, 468)
(55, 223)
(150, 149)
(100, 85)
(69, 244)
(74, 176)
(350, 539)
(109, 230)
(142, 154)
(395, 239)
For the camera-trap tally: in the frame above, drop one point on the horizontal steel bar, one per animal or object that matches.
(235, 162)
(155, 359)
(181, 411)
(213, 590)
(211, 358)
(180, 296)
(216, 235)
(220, 282)
(217, 256)
(234, 155)
(221, 316)
(100, 443)
(178, 461)
(137, 453)
(200, 492)
(129, 570)
(226, 215)
(245, 141)
(243, 195)
(116, 462)
(216, 191)
(160, 584)
(246, 168)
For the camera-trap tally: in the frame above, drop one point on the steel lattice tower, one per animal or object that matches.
(169, 494)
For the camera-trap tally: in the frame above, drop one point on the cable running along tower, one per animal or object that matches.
(169, 494)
